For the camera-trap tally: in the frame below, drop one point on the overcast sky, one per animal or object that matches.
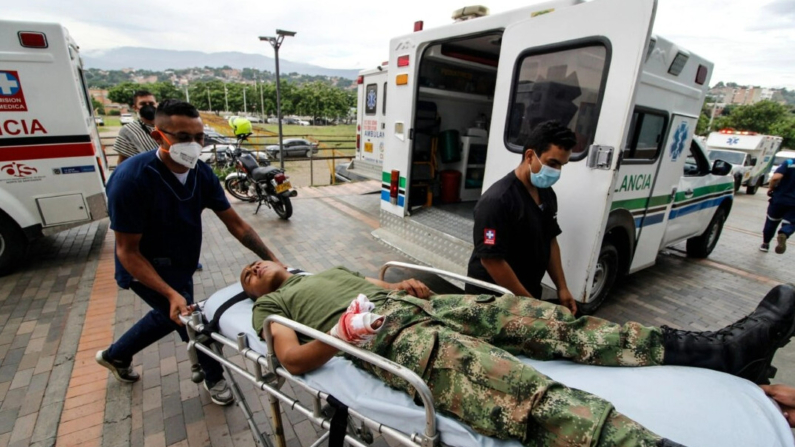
(750, 41)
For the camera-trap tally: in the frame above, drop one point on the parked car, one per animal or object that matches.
(303, 123)
(253, 119)
(273, 120)
(211, 137)
(99, 121)
(127, 118)
(293, 147)
(289, 120)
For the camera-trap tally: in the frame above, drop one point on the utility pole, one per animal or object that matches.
(226, 99)
(187, 95)
(262, 99)
(209, 101)
(276, 42)
(245, 109)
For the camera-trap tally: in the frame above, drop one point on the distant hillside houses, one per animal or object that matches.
(743, 95)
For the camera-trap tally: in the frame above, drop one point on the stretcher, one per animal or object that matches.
(692, 406)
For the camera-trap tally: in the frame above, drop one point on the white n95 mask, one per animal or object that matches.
(186, 154)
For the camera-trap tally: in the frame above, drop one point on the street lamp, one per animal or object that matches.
(276, 42)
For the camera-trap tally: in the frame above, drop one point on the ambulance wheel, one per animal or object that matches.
(604, 277)
(12, 244)
(751, 190)
(702, 246)
(284, 207)
(738, 181)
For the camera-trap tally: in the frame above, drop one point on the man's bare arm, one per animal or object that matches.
(243, 232)
(502, 273)
(120, 158)
(127, 249)
(412, 286)
(555, 270)
(295, 357)
(774, 181)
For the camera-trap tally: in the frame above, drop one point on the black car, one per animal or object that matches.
(293, 147)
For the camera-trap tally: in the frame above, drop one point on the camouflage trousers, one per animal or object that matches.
(463, 346)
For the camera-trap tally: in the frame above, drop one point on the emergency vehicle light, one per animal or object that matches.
(418, 25)
(402, 79)
(32, 39)
(394, 180)
(701, 75)
(358, 142)
(403, 61)
(360, 80)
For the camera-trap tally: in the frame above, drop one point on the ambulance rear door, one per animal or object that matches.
(579, 65)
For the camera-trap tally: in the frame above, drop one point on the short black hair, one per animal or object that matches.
(171, 107)
(548, 133)
(140, 93)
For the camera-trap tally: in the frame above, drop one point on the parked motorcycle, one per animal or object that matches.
(252, 182)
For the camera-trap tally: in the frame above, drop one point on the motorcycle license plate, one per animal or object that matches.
(283, 187)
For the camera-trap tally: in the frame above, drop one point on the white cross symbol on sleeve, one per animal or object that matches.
(490, 234)
(8, 84)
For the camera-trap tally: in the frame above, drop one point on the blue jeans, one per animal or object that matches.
(155, 325)
(779, 214)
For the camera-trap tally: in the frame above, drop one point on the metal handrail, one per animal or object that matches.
(456, 276)
(400, 371)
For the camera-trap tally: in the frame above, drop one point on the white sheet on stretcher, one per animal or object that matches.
(692, 406)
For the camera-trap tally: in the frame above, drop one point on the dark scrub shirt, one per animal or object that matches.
(784, 194)
(145, 197)
(510, 225)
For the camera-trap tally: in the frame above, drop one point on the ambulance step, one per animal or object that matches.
(423, 243)
(365, 169)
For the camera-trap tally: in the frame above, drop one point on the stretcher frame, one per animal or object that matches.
(269, 376)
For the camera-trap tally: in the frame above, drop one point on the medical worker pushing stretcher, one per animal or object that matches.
(463, 346)
(155, 202)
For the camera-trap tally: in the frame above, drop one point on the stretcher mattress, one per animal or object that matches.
(692, 406)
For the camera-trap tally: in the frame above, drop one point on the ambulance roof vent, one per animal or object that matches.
(470, 12)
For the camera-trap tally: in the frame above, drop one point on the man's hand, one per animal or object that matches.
(178, 306)
(567, 300)
(785, 397)
(770, 192)
(413, 287)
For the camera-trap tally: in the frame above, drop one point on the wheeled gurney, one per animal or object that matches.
(692, 406)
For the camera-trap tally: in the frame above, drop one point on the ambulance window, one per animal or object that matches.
(86, 98)
(646, 135)
(696, 164)
(564, 85)
(383, 102)
(371, 99)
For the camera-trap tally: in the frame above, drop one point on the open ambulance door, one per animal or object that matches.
(578, 65)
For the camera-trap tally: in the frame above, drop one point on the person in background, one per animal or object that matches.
(136, 138)
(516, 228)
(155, 203)
(781, 210)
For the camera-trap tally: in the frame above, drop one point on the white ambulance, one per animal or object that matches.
(52, 167)
(750, 154)
(370, 123)
(636, 182)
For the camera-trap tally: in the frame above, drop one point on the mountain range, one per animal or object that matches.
(160, 60)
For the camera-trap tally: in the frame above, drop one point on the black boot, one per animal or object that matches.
(745, 348)
(668, 443)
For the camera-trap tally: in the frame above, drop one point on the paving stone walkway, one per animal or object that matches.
(62, 306)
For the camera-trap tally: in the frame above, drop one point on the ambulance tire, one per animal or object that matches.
(13, 244)
(701, 246)
(751, 190)
(604, 278)
(738, 181)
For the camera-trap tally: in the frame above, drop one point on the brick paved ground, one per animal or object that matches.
(49, 328)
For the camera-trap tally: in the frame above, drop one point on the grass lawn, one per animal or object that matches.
(110, 121)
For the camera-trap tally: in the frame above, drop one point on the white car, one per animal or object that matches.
(127, 118)
(254, 119)
(303, 123)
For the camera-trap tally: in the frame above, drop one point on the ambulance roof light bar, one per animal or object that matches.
(470, 12)
(731, 131)
(32, 39)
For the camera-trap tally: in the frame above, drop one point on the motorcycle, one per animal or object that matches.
(252, 182)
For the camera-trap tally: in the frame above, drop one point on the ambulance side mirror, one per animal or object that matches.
(753, 161)
(721, 168)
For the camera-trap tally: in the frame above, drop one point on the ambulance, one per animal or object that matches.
(370, 123)
(750, 154)
(464, 96)
(52, 167)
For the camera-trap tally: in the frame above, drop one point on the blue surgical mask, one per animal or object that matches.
(545, 177)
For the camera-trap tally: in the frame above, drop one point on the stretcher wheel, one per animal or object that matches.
(196, 375)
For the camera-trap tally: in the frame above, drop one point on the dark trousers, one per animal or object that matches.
(779, 214)
(155, 325)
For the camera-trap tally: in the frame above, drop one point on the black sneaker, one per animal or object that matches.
(745, 348)
(121, 372)
(220, 393)
(765, 247)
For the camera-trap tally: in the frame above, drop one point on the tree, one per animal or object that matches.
(759, 117)
(97, 106)
(785, 129)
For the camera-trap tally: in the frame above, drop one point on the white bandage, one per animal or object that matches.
(356, 323)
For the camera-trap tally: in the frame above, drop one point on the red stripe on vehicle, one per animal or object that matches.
(41, 152)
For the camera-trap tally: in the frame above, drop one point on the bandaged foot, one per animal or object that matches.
(358, 324)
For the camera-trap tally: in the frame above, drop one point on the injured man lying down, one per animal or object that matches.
(463, 347)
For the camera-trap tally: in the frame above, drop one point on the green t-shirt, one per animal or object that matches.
(317, 300)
